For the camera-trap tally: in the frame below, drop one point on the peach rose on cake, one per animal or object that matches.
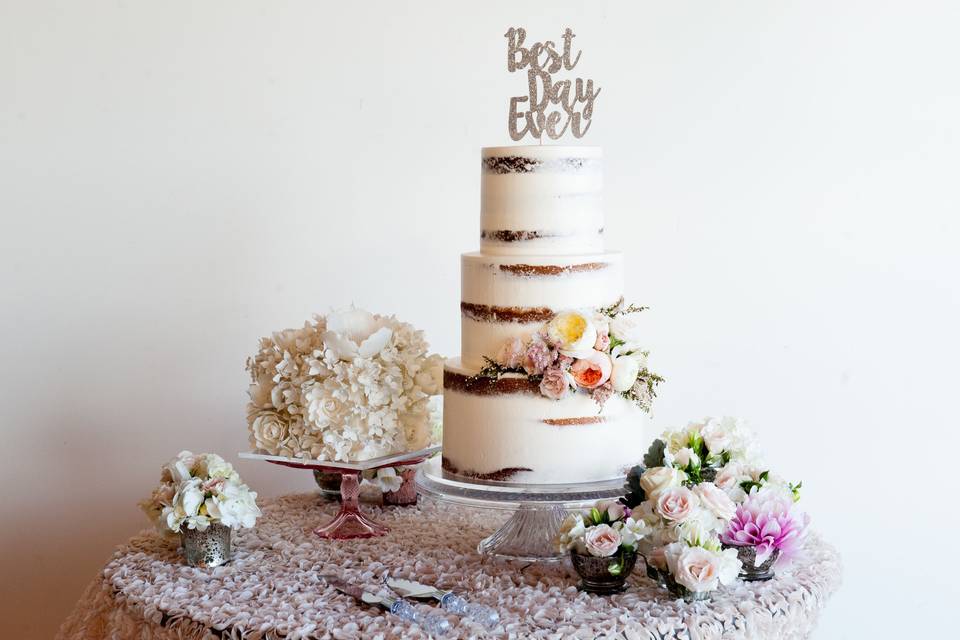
(591, 371)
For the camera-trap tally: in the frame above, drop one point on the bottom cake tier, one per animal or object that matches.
(505, 430)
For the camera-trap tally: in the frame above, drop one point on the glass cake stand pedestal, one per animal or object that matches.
(350, 522)
(538, 509)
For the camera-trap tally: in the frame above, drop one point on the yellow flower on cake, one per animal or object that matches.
(572, 332)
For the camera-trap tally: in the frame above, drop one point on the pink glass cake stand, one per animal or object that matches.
(350, 522)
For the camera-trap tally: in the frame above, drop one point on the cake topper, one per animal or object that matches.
(549, 107)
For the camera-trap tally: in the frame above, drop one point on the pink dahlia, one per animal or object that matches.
(768, 522)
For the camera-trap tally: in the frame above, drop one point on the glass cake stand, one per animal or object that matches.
(349, 522)
(538, 509)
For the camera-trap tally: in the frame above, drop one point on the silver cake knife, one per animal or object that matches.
(431, 623)
(448, 600)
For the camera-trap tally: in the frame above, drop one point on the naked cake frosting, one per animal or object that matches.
(541, 252)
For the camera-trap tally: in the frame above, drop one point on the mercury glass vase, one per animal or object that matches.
(595, 573)
(750, 572)
(681, 591)
(207, 548)
(329, 484)
(407, 493)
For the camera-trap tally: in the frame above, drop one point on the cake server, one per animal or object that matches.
(448, 600)
(431, 623)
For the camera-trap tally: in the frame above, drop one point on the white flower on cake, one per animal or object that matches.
(198, 490)
(349, 386)
(579, 350)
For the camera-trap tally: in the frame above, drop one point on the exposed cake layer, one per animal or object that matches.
(506, 430)
(507, 296)
(541, 200)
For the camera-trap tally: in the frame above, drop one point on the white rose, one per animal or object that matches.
(699, 527)
(268, 431)
(716, 500)
(625, 372)
(697, 569)
(657, 479)
(234, 507)
(626, 328)
(685, 457)
(719, 434)
(676, 504)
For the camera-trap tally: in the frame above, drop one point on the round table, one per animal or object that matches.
(271, 589)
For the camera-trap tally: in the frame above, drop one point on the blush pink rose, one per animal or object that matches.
(555, 383)
(603, 342)
(592, 371)
(511, 353)
(676, 504)
(538, 357)
(714, 499)
(602, 540)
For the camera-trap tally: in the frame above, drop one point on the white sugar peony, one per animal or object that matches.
(349, 386)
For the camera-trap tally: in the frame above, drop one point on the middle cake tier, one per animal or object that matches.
(512, 296)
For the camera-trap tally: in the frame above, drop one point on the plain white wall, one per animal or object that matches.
(179, 178)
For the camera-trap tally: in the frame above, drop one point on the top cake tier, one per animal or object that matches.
(541, 200)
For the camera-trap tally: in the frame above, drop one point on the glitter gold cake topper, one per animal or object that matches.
(550, 107)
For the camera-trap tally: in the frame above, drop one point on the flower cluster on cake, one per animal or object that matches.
(348, 386)
(595, 352)
(713, 509)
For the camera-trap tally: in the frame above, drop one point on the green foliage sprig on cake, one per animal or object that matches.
(595, 352)
(705, 494)
(198, 490)
(347, 386)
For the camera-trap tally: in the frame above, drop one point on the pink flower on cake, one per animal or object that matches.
(511, 353)
(538, 357)
(591, 371)
(676, 504)
(555, 383)
(602, 540)
(603, 341)
(602, 393)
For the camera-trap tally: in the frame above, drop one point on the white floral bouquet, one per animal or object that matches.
(346, 387)
(606, 530)
(197, 490)
(698, 490)
(596, 352)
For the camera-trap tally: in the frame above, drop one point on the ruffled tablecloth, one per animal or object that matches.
(271, 589)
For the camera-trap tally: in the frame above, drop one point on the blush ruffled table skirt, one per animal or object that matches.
(271, 588)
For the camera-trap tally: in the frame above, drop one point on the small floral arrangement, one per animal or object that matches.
(197, 490)
(767, 521)
(596, 352)
(605, 530)
(348, 386)
(704, 488)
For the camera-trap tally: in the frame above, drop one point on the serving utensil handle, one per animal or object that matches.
(484, 615)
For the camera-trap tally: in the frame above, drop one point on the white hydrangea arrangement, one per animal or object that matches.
(346, 387)
(197, 490)
(691, 491)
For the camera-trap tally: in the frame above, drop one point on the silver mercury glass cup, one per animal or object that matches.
(208, 548)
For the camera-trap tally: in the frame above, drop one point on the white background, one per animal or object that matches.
(179, 178)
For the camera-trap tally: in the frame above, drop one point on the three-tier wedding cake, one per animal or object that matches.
(543, 391)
